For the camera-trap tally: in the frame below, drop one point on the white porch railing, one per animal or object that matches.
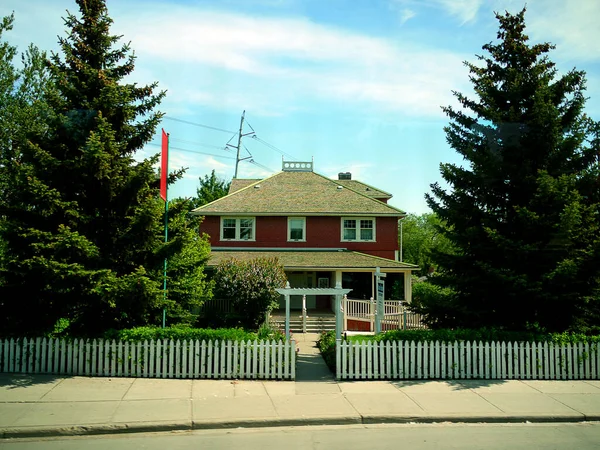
(150, 359)
(461, 360)
(396, 316)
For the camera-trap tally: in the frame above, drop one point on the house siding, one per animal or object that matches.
(321, 232)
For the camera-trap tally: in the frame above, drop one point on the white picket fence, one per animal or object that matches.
(150, 359)
(459, 360)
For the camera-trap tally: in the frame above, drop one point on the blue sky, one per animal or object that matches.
(356, 85)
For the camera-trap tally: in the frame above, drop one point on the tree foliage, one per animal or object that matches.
(82, 222)
(210, 189)
(250, 286)
(523, 211)
(421, 236)
(187, 286)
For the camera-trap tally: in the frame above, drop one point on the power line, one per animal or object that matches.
(272, 147)
(199, 125)
(261, 166)
(193, 151)
(197, 143)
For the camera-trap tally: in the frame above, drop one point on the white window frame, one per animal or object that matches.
(237, 228)
(358, 228)
(289, 230)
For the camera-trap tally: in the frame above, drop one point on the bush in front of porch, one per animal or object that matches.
(251, 287)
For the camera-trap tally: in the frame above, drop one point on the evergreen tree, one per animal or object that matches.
(211, 188)
(25, 200)
(187, 286)
(84, 235)
(523, 211)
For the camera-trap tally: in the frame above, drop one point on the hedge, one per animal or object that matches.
(483, 334)
(140, 334)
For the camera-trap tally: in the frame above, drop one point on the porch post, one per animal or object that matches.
(345, 310)
(338, 316)
(407, 286)
(287, 313)
(371, 314)
(304, 313)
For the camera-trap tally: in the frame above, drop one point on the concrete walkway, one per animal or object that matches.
(54, 405)
(310, 366)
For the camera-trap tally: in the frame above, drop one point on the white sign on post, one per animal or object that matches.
(380, 294)
(381, 290)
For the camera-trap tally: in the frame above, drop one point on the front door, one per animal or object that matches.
(301, 280)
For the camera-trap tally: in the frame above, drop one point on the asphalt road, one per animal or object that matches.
(418, 436)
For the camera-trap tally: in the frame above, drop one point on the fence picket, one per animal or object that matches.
(255, 360)
(37, 360)
(286, 360)
(184, 353)
(103, 357)
(389, 362)
(235, 350)
(353, 350)
(243, 361)
(222, 371)
(293, 360)
(249, 358)
(596, 365)
(267, 358)
(580, 361)
(209, 359)
(395, 361)
(587, 357)
(13, 356)
(280, 361)
(450, 368)
(412, 359)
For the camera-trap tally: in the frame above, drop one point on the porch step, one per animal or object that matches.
(313, 324)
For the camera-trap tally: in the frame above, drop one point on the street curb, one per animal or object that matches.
(156, 427)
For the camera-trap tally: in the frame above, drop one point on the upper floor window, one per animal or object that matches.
(356, 229)
(237, 228)
(296, 229)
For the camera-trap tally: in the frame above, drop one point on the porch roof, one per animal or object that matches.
(316, 260)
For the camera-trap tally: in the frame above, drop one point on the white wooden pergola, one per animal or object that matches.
(338, 291)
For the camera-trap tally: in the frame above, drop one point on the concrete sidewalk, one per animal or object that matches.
(45, 405)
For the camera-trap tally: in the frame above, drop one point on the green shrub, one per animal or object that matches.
(326, 345)
(250, 286)
(187, 333)
(482, 334)
(434, 302)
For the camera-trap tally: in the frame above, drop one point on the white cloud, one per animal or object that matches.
(464, 10)
(275, 65)
(406, 14)
(572, 27)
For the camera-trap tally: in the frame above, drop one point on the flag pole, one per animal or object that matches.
(164, 190)
(164, 316)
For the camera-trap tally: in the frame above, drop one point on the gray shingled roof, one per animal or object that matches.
(364, 188)
(300, 193)
(313, 259)
(241, 183)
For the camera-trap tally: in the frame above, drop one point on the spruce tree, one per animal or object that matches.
(211, 188)
(522, 211)
(83, 234)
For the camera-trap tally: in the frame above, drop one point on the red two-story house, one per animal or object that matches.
(323, 231)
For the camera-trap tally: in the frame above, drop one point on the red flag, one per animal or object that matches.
(164, 165)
